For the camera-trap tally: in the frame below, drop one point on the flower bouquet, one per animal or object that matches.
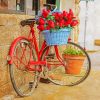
(56, 26)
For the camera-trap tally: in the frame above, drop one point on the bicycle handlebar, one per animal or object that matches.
(32, 21)
(50, 6)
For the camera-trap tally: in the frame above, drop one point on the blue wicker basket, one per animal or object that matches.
(56, 37)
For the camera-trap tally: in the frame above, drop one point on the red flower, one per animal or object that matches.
(61, 23)
(71, 12)
(56, 16)
(74, 23)
(74, 17)
(65, 14)
(69, 16)
(57, 24)
(41, 27)
(48, 28)
(41, 21)
(45, 13)
(51, 24)
(66, 23)
(60, 15)
(56, 20)
(69, 21)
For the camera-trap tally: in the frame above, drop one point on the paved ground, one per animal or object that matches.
(88, 90)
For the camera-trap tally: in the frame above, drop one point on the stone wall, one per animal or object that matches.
(9, 30)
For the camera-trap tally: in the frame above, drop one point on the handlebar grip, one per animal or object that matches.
(51, 5)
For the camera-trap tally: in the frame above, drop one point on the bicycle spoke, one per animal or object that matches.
(23, 51)
(19, 72)
(59, 69)
(20, 60)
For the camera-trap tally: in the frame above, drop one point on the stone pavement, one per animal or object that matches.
(88, 90)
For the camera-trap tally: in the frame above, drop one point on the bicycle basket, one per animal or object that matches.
(56, 37)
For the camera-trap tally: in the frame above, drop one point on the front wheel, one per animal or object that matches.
(58, 71)
(23, 80)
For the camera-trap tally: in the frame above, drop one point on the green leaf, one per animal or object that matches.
(72, 51)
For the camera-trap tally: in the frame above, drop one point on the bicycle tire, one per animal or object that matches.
(69, 79)
(23, 80)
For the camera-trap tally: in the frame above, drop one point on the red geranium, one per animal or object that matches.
(71, 14)
(65, 14)
(61, 23)
(51, 24)
(48, 28)
(45, 13)
(56, 24)
(41, 21)
(66, 24)
(56, 15)
(56, 20)
(74, 23)
(41, 27)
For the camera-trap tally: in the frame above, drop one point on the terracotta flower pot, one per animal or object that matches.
(74, 64)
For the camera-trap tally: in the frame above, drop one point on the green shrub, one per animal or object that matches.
(72, 51)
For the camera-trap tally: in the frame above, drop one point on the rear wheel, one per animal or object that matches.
(56, 70)
(23, 80)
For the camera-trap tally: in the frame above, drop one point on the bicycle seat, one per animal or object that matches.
(28, 22)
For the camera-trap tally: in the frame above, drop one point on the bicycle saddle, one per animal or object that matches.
(28, 22)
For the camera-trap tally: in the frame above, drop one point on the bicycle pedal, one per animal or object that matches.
(47, 81)
(52, 54)
(31, 84)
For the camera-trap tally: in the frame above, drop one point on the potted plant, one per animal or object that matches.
(74, 60)
(56, 26)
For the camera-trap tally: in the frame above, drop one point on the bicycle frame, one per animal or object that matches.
(32, 39)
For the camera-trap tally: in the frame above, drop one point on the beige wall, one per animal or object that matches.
(93, 24)
(12, 4)
(67, 4)
(9, 30)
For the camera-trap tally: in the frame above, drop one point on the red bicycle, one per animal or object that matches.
(27, 63)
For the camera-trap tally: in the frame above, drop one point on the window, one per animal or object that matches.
(33, 4)
(20, 5)
(36, 5)
(12, 5)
